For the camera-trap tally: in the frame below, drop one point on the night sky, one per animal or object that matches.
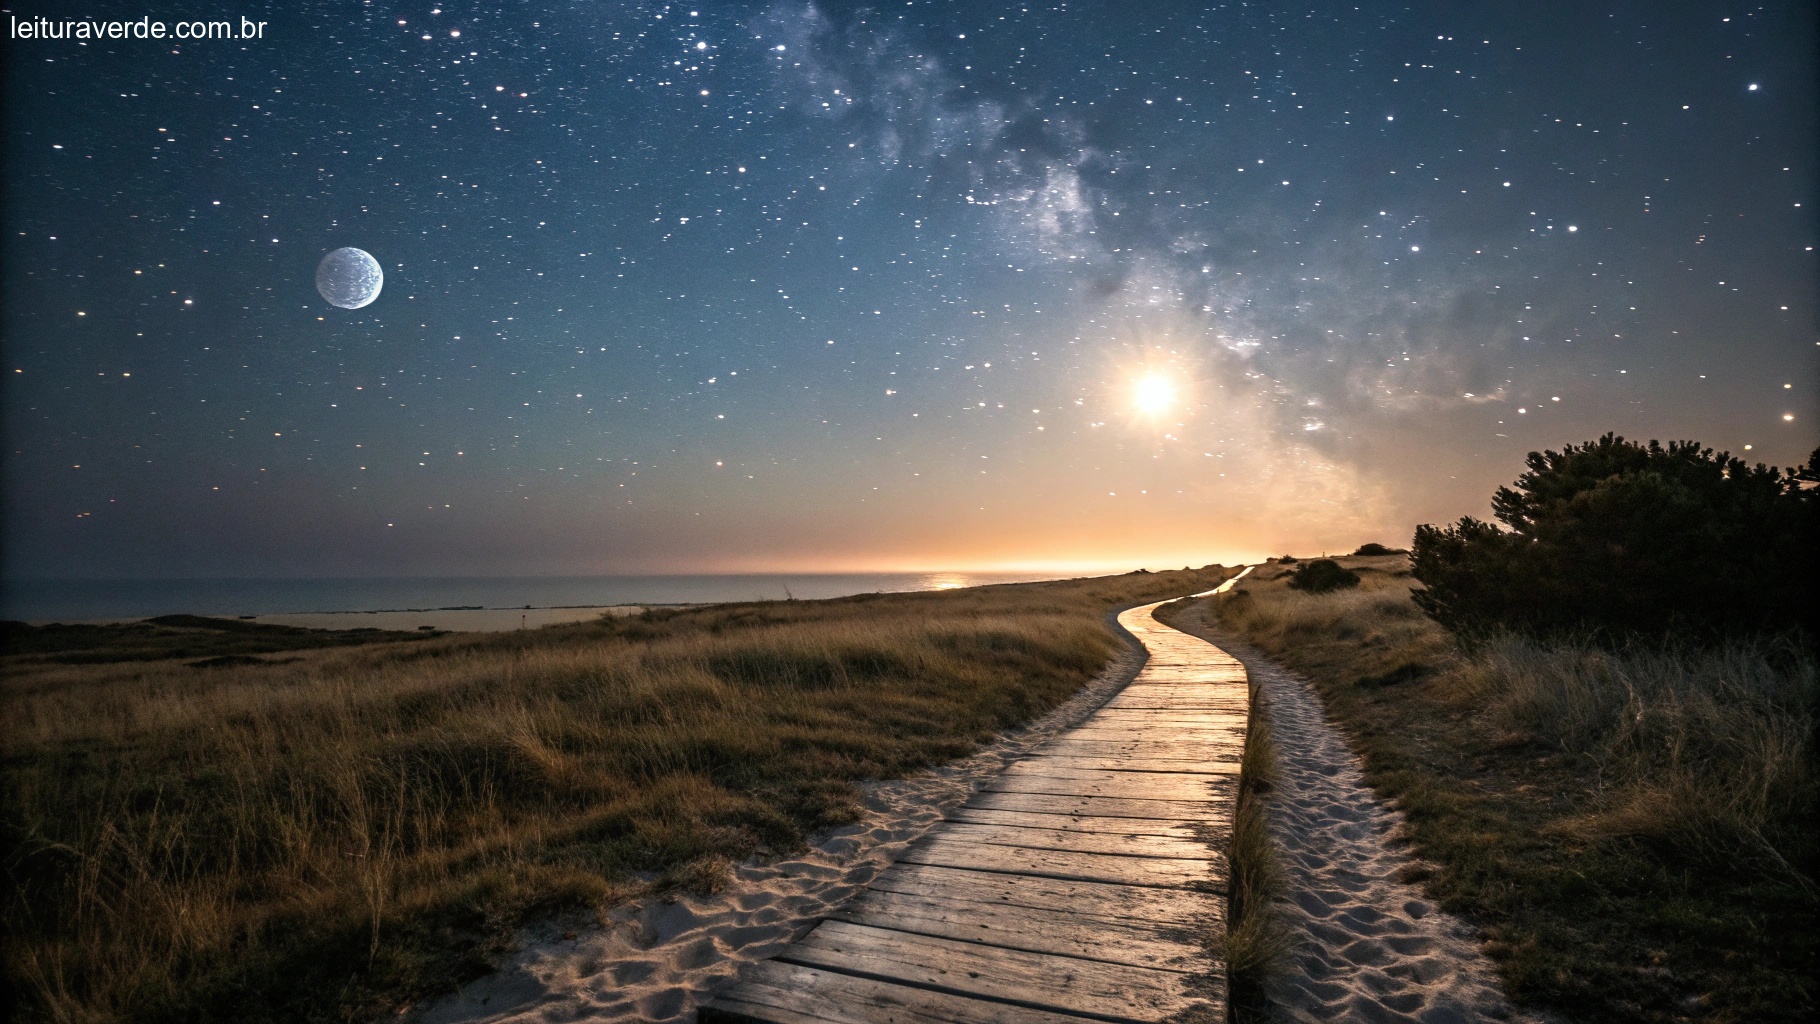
(820, 286)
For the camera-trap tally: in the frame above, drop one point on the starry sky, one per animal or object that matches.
(820, 286)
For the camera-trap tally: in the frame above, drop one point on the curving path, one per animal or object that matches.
(1077, 885)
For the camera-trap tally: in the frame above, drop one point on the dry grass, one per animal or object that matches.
(337, 835)
(1256, 939)
(1633, 828)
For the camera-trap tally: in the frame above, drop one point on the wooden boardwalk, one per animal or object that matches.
(1076, 886)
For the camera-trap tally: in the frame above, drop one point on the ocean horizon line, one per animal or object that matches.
(97, 599)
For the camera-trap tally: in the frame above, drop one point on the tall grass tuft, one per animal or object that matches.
(1707, 753)
(1257, 939)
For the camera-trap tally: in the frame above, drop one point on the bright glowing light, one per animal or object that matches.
(1154, 395)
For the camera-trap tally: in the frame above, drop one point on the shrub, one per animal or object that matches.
(1321, 576)
(1618, 537)
(1374, 549)
(1287, 560)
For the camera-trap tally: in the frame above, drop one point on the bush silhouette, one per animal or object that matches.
(1374, 548)
(1322, 575)
(1618, 537)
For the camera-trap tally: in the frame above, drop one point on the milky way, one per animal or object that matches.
(903, 285)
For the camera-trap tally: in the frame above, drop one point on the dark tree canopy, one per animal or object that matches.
(1322, 575)
(1621, 537)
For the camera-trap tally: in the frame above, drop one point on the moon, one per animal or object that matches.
(349, 278)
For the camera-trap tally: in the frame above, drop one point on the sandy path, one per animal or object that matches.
(658, 959)
(1368, 947)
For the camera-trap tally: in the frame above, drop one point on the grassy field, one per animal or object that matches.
(294, 831)
(1635, 830)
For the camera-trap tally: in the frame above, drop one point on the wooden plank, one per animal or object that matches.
(1163, 721)
(1064, 933)
(1133, 748)
(1160, 727)
(1153, 716)
(1160, 872)
(1142, 785)
(1225, 748)
(1057, 767)
(1165, 702)
(1147, 702)
(1040, 837)
(1212, 675)
(1062, 984)
(1185, 691)
(1079, 822)
(1202, 766)
(1186, 908)
(1097, 806)
(1162, 735)
(1178, 670)
(780, 993)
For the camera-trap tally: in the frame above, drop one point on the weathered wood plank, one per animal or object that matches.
(1154, 748)
(1204, 766)
(1113, 991)
(1055, 768)
(1097, 806)
(1130, 748)
(1197, 691)
(1143, 785)
(1065, 933)
(1198, 699)
(1161, 872)
(1141, 721)
(1144, 702)
(1159, 716)
(780, 993)
(1162, 737)
(1159, 728)
(1078, 822)
(1037, 837)
(1186, 908)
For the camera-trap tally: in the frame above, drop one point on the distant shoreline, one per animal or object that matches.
(461, 619)
(70, 601)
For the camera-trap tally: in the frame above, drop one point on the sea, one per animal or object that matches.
(103, 600)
